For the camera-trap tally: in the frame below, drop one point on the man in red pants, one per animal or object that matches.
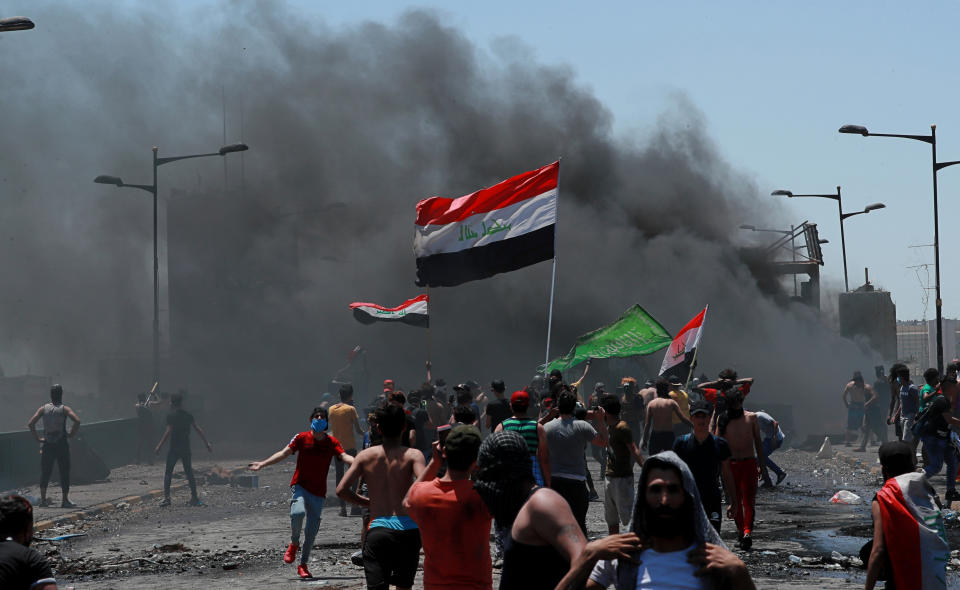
(742, 431)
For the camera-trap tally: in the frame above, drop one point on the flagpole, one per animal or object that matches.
(553, 273)
(428, 334)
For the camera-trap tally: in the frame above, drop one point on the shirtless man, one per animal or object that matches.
(742, 431)
(391, 552)
(659, 417)
(859, 394)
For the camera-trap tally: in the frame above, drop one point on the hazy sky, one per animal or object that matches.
(774, 81)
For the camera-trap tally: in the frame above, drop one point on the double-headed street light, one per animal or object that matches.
(843, 240)
(15, 23)
(152, 188)
(932, 140)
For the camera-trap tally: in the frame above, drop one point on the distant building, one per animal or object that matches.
(917, 343)
(869, 314)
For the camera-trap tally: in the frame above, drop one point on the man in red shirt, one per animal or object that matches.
(309, 484)
(453, 519)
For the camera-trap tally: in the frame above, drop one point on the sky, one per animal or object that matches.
(774, 81)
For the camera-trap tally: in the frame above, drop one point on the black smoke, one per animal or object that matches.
(350, 127)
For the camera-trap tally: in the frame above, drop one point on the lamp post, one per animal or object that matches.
(15, 23)
(843, 238)
(152, 189)
(932, 140)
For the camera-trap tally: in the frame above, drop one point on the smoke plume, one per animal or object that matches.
(348, 128)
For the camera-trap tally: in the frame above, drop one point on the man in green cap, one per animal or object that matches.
(453, 519)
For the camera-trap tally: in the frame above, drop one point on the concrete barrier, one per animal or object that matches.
(115, 441)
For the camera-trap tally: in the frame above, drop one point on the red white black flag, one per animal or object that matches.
(679, 357)
(413, 311)
(498, 229)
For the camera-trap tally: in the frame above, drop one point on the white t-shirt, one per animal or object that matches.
(660, 571)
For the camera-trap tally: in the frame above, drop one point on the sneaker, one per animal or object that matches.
(594, 496)
(291, 553)
(952, 496)
(356, 558)
(767, 485)
(343, 511)
(746, 542)
(781, 477)
(195, 502)
(45, 502)
(67, 504)
(860, 450)
(303, 572)
(165, 502)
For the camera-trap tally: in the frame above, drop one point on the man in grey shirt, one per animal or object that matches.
(567, 439)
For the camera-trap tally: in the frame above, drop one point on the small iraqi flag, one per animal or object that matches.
(497, 229)
(679, 358)
(412, 311)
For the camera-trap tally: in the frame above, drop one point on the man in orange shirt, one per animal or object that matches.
(344, 421)
(453, 519)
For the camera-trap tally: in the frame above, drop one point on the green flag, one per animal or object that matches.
(635, 333)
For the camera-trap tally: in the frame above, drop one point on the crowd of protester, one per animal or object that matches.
(443, 471)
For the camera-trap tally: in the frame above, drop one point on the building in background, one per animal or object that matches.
(869, 314)
(917, 338)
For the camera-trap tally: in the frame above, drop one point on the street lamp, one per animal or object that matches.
(15, 23)
(843, 239)
(152, 188)
(932, 140)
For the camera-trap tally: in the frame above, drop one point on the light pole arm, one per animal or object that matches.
(834, 197)
(923, 138)
(941, 165)
(162, 161)
(143, 187)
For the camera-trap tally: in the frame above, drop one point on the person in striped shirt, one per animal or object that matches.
(533, 434)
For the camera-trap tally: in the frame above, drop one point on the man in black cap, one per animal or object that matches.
(708, 457)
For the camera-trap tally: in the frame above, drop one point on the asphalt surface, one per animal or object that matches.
(237, 539)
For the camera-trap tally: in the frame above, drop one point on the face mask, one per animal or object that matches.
(318, 424)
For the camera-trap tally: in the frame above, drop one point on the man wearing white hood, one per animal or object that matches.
(679, 547)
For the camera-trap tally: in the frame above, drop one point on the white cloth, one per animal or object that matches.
(766, 422)
(660, 571)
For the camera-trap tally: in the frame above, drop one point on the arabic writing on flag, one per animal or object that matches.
(634, 333)
(498, 229)
(414, 312)
(679, 358)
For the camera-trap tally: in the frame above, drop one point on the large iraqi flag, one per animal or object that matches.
(412, 311)
(679, 358)
(498, 229)
(914, 532)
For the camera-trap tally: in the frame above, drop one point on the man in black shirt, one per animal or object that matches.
(498, 409)
(708, 457)
(179, 422)
(935, 435)
(21, 568)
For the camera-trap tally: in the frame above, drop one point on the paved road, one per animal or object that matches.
(237, 539)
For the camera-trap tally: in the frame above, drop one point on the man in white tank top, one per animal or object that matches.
(54, 440)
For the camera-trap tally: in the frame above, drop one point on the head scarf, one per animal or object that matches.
(703, 531)
(504, 474)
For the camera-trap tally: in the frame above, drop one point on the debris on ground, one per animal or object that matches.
(845, 497)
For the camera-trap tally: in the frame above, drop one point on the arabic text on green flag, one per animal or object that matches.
(635, 333)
